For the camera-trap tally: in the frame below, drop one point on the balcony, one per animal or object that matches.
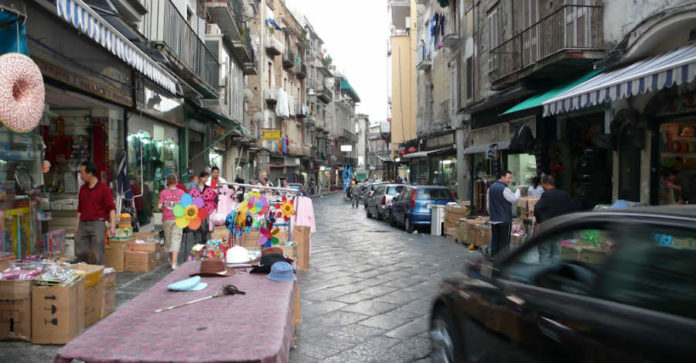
(424, 60)
(245, 53)
(310, 121)
(451, 38)
(300, 111)
(271, 96)
(348, 135)
(566, 41)
(164, 26)
(301, 70)
(325, 94)
(288, 59)
(274, 46)
(227, 14)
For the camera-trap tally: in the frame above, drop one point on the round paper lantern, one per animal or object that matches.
(178, 211)
(186, 200)
(22, 92)
(182, 222)
(195, 224)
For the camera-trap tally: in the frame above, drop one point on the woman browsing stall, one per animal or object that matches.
(172, 233)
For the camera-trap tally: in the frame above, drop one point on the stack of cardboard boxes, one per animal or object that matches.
(526, 205)
(142, 252)
(474, 231)
(453, 216)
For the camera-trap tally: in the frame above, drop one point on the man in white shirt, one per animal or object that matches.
(215, 178)
(499, 201)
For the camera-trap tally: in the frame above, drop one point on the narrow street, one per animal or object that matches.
(368, 292)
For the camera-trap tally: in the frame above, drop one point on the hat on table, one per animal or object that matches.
(237, 254)
(190, 284)
(282, 271)
(267, 261)
(212, 267)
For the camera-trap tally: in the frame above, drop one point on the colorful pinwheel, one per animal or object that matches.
(267, 236)
(286, 209)
(188, 213)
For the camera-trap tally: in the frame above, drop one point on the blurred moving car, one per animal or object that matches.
(611, 286)
(378, 203)
(410, 208)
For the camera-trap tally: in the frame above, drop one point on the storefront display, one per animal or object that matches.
(523, 168)
(677, 160)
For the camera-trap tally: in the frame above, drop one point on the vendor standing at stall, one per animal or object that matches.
(95, 206)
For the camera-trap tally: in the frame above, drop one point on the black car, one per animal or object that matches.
(614, 286)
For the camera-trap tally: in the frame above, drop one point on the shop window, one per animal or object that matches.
(569, 261)
(654, 270)
(523, 168)
(678, 162)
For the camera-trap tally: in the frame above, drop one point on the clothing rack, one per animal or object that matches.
(254, 186)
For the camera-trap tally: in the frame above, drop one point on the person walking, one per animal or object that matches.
(172, 233)
(95, 206)
(499, 200)
(355, 194)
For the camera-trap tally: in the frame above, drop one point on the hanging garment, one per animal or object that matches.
(304, 213)
(282, 107)
(224, 206)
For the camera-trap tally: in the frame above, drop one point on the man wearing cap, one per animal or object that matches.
(95, 206)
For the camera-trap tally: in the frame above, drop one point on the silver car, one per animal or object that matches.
(379, 202)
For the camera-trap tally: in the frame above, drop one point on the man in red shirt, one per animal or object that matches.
(96, 204)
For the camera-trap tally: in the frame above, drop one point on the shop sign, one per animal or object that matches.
(269, 134)
(346, 148)
(86, 20)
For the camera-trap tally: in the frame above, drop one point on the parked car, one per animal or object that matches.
(611, 286)
(369, 190)
(410, 208)
(381, 199)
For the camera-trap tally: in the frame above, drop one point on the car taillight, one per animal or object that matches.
(453, 197)
(384, 200)
(413, 198)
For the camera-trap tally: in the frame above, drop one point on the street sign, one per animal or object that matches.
(269, 134)
(346, 148)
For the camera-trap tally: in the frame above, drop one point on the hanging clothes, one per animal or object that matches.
(283, 106)
(304, 213)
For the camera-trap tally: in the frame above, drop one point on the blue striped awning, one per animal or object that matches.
(649, 75)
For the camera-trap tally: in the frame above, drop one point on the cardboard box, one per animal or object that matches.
(526, 206)
(297, 311)
(57, 313)
(146, 235)
(15, 309)
(143, 246)
(6, 261)
(94, 291)
(140, 261)
(301, 236)
(483, 234)
(115, 255)
(109, 297)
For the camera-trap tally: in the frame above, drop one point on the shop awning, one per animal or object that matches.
(649, 75)
(236, 126)
(423, 154)
(538, 99)
(475, 149)
(345, 86)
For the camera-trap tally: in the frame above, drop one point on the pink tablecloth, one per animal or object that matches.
(256, 327)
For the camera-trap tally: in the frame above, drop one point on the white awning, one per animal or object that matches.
(649, 75)
(423, 154)
(474, 149)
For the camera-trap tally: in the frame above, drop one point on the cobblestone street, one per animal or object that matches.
(368, 292)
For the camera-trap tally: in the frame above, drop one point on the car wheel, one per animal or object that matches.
(444, 337)
(408, 226)
(367, 213)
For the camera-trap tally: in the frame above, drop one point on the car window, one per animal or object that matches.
(433, 194)
(394, 190)
(655, 268)
(568, 261)
(380, 190)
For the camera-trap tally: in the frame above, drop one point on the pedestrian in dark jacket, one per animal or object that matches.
(554, 202)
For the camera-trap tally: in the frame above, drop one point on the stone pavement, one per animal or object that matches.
(369, 289)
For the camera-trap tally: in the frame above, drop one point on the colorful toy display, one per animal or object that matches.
(189, 212)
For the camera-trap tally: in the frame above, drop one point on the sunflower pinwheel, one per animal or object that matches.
(188, 213)
(286, 209)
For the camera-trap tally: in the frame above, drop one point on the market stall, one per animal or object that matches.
(255, 327)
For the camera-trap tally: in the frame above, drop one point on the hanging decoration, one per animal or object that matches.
(188, 213)
(250, 213)
(22, 92)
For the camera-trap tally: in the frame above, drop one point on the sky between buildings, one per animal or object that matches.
(355, 33)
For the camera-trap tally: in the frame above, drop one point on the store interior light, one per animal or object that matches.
(145, 141)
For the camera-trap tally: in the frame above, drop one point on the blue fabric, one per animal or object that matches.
(190, 284)
(274, 24)
(8, 34)
(498, 207)
(282, 271)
